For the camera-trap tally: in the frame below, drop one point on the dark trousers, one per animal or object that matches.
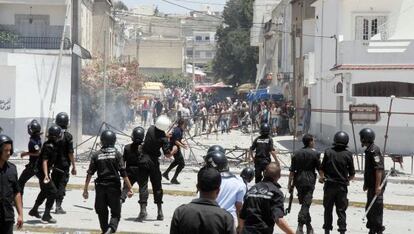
(259, 167)
(133, 178)
(26, 175)
(305, 194)
(60, 179)
(108, 196)
(335, 194)
(47, 192)
(6, 227)
(375, 215)
(152, 171)
(178, 162)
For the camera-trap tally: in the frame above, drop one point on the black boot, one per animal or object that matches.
(59, 209)
(309, 229)
(165, 175)
(299, 230)
(174, 181)
(109, 231)
(143, 213)
(47, 218)
(34, 212)
(160, 215)
(327, 231)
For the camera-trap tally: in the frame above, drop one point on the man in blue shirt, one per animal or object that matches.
(176, 144)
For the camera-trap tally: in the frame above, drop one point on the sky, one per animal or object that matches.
(216, 5)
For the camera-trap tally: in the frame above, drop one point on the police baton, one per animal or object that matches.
(376, 196)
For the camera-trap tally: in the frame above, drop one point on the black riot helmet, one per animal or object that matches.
(218, 160)
(265, 129)
(367, 135)
(34, 128)
(341, 138)
(54, 132)
(62, 120)
(108, 139)
(138, 134)
(247, 174)
(5, 140)
(216, 148)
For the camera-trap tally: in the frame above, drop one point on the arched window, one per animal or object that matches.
(339, 87)
(383, 89)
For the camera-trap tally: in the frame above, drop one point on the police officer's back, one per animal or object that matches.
(305, 163)
(263, 205)
(203, 215)
(109, 165)
(337, 170)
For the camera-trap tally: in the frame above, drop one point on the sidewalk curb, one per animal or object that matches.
(52, 229)
(356, 204)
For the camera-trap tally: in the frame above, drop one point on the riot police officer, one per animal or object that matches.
(132, 155)
(263, 145)
(247, 174)
(232, 188)
(337, 170)
(155, 139)
(65, 159)
(48, 157)
(305, 163)
(9, 188)
(109, 165)
(35, 144)
(373, 177)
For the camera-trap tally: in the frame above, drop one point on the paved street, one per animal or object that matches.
(81, 217)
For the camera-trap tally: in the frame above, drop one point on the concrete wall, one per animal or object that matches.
(33, 76)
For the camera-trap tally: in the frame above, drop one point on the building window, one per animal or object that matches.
(189, 52)
(368, 26)
(197, 54)
(207, 38)
(383, 89)
(199, 38)
(209, 54)
(339, 88)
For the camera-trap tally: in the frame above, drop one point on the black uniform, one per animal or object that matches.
(109, 165)
(263, 205)
(35, 144)
(263, 146)
(149, 165)
(201, 216)
(305, 163)
(338, 166)
(374, 161)
(178, 157)
(9, 187)
(61, 173)
(47, 191)
(132, 155)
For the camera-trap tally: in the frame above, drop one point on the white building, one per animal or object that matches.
(372, 59)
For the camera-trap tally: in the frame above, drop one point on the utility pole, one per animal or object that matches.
(104, 78)
(294, 77)
(75, 100)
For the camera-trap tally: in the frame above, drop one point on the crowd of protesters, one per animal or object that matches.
(206, 114)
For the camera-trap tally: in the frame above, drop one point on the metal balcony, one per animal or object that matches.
(38, 43)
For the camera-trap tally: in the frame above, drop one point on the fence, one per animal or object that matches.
(44, 43)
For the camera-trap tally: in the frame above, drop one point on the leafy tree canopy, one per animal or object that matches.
(235, 60)
(120, 5)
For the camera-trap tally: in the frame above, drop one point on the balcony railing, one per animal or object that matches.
(40, 43)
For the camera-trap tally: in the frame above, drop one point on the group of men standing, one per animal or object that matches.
(336, 171)
(49, 162)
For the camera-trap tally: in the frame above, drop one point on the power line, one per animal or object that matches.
(190, 9)
(216, 4)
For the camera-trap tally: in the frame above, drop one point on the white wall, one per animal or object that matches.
(8, 12)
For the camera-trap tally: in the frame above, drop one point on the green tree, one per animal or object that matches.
(235, 60)
(120, 5)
